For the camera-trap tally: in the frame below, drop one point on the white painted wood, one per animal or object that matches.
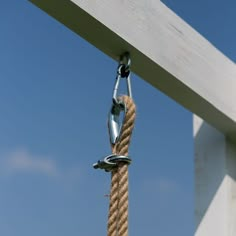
(166, 52)
(173, 57)
(215, 182)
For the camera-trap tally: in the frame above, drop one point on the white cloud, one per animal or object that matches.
(160, 186)
(22, 161)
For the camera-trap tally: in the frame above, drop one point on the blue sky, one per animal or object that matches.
(55, 93)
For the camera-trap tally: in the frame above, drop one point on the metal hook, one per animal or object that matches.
(123, 71)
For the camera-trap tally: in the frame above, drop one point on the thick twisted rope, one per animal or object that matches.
(118, 209)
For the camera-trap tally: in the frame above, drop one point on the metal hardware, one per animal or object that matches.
(110, 162)
(123, 71)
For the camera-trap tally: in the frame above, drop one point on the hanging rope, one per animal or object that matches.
(118, 162)
(118, 209)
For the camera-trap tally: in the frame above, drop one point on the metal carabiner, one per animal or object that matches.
(123, 71)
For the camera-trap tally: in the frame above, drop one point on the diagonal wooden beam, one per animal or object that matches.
(165, 51)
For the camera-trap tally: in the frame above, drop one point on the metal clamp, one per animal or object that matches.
(123, 71)
(110, 162)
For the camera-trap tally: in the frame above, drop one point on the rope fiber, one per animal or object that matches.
(118, 207)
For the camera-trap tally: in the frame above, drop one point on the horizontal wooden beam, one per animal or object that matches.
(165, 51)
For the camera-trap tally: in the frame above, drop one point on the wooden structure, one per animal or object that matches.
(173, 57)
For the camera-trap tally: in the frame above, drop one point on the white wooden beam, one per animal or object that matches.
(215, 181)
(165, 51)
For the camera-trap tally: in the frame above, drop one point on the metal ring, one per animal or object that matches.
(124, 65)
(110, 162)
(125, 59)
(123, 71)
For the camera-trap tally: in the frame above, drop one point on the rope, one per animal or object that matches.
(118, 208)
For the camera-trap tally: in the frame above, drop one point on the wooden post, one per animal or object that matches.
(215, 181)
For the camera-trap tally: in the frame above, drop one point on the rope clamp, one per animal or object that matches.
(123, 71)
(110, 162)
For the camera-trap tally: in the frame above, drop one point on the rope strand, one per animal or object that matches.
(118, 208)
